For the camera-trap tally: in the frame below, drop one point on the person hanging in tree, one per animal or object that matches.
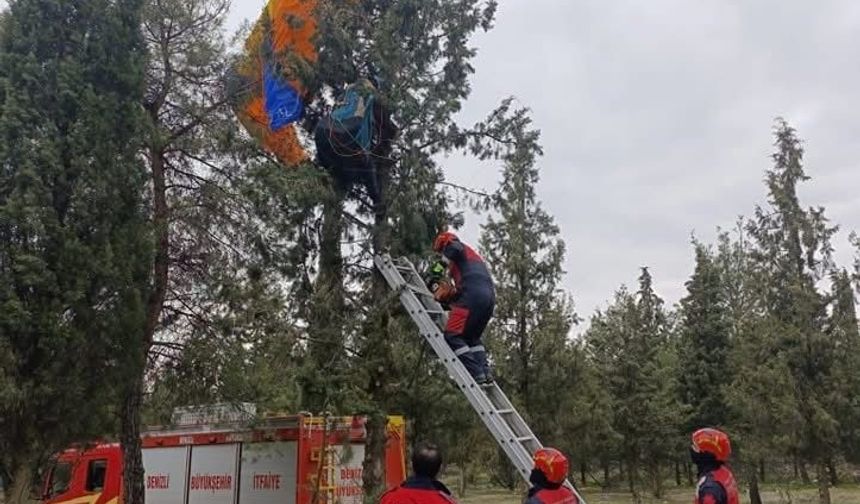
(355, 139)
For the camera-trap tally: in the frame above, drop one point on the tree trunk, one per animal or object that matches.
(656, 479)
(823, 483)
(755, 495)
(761, 472)
(132, 459)
(373, 472)
(632, 477)
(804, 474)
(690, 479)
(133, 399)
(796, 466)
(583, 470)
(376, 345)
(323, 374)
(605, 474)
(832, 472)
(18, 492)
(677, 473)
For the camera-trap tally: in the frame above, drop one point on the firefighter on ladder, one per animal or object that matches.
(547, 479)
(710, 452)
(472, 298)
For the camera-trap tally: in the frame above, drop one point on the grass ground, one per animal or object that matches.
(771, 495)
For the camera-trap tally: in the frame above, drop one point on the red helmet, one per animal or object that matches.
(714, 442)
(553, 464)
(443, 239)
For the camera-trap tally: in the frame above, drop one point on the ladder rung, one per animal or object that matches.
(509, 430)
(416, 290)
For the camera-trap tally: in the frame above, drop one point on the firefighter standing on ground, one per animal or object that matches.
(710, 452)
(547, 479)
(422, 487)
(472, 298)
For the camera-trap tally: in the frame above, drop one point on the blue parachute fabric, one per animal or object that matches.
(283, 103)
(355, 115)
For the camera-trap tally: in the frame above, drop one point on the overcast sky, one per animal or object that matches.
(656, 120)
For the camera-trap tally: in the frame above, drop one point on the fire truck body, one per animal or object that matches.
(287, 460)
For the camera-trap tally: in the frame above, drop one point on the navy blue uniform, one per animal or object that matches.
(472, 307)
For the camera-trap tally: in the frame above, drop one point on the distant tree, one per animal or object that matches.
(529, 336)
(792, 253)
(844, 393)
(522, 246)
(704, 345)
(74, 240)
(630, 346)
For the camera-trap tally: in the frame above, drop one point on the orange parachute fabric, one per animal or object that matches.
(269, 87)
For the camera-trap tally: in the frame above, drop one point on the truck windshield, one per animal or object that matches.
(61, 475)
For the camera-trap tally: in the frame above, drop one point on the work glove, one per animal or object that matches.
(445, 292)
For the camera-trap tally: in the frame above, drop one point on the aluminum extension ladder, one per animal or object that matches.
(494, 408)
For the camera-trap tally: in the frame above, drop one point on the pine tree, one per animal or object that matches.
(405, 43)
(74, 236)
(525, 254)
(842, 328)
(534, 316)
(792, 253)
(704, 345)
(234, 234)
(630, 345)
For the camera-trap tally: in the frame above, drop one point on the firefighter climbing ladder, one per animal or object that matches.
(505, 424)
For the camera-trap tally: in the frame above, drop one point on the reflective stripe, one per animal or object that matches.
(478, 349)
(462, 351)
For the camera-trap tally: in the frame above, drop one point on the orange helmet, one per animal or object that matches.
(443, 239)
(714, 442)
(552, 463)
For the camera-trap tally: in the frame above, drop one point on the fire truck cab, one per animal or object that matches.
(280, 460)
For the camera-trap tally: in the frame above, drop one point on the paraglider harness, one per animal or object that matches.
(355, 137)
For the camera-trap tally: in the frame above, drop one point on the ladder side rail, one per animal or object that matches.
(504, 435)
(502, 431)
(418, 300)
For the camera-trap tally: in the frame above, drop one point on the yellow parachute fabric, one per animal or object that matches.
(280, 49)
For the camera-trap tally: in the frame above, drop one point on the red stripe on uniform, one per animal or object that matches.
(457, 320)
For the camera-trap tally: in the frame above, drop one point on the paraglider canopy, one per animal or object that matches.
(268, 85)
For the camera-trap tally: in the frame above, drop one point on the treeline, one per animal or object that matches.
(763, 345)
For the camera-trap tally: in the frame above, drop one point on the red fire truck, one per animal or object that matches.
(281, 460)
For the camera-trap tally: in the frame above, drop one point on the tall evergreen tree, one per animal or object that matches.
(534, 316)
(704, 344)
(525, 254)
(844, 393)
(793, 253)
(233, 234)
(421, 52)
(74, 237)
